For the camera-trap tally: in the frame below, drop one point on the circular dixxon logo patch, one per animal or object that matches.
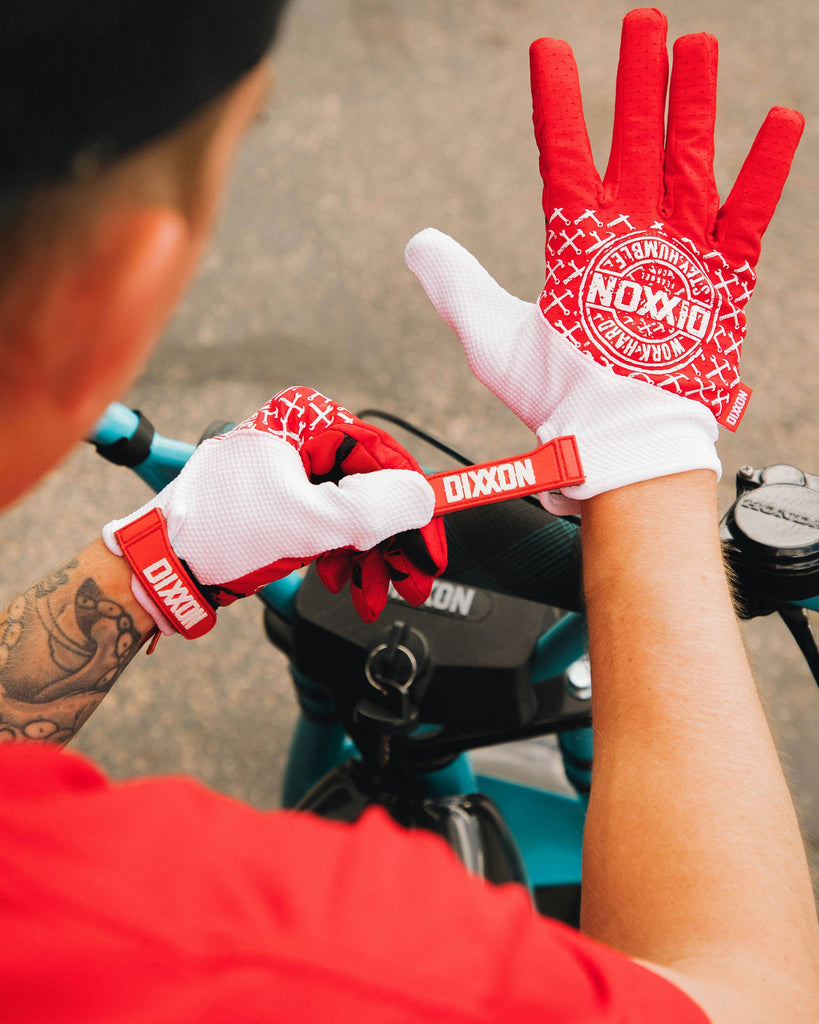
(648, 303)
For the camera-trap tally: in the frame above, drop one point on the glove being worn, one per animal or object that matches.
(300, 479)
(635, 341)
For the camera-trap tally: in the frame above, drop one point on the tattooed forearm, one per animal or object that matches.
(63, 643)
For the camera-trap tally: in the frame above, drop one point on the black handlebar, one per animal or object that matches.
(517, 548)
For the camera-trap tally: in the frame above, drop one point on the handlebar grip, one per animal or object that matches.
(517, 548)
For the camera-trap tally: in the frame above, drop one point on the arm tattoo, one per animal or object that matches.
(63, 644)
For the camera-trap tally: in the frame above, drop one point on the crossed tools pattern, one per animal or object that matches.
(297, 414)
(576, 238)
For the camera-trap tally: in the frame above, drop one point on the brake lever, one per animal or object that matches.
(553, 465)
(797, 621)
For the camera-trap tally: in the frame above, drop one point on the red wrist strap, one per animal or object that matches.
(555, 464)
(146, 548)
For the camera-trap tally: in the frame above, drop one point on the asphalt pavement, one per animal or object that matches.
(389, 116)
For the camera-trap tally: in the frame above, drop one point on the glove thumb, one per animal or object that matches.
(482, 314)
(383, 503)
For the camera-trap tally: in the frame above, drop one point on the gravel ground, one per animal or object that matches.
(388, 116)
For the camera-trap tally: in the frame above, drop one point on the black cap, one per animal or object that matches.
(82, 82)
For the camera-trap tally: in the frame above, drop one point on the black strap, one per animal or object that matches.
(130, 451)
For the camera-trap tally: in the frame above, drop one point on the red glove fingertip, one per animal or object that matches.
(434, 537)
(334, 568)
(369, 584)
(414, 588)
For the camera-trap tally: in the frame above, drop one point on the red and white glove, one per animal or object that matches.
(634, 343)
(300, 479)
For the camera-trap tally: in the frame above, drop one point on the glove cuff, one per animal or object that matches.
(160, 577)
(662, 435)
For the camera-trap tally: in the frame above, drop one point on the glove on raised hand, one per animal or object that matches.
(301, 478)
(646, 277)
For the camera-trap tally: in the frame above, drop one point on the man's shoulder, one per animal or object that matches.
(367, 916)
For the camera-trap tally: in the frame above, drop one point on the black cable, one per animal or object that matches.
(797, 621)
(418, 432)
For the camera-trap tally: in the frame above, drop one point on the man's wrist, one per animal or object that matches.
(648, 498)
(654, 528)
(105, 565)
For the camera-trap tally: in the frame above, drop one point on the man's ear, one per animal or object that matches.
(76, 325)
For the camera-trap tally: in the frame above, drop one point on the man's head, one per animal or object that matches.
(120, 121)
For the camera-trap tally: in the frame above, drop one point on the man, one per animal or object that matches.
(158, 900)
(132, 229)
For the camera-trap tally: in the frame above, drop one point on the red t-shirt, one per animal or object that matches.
(157, 900)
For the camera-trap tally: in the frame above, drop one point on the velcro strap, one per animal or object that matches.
(553, 465)
(148, 551)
